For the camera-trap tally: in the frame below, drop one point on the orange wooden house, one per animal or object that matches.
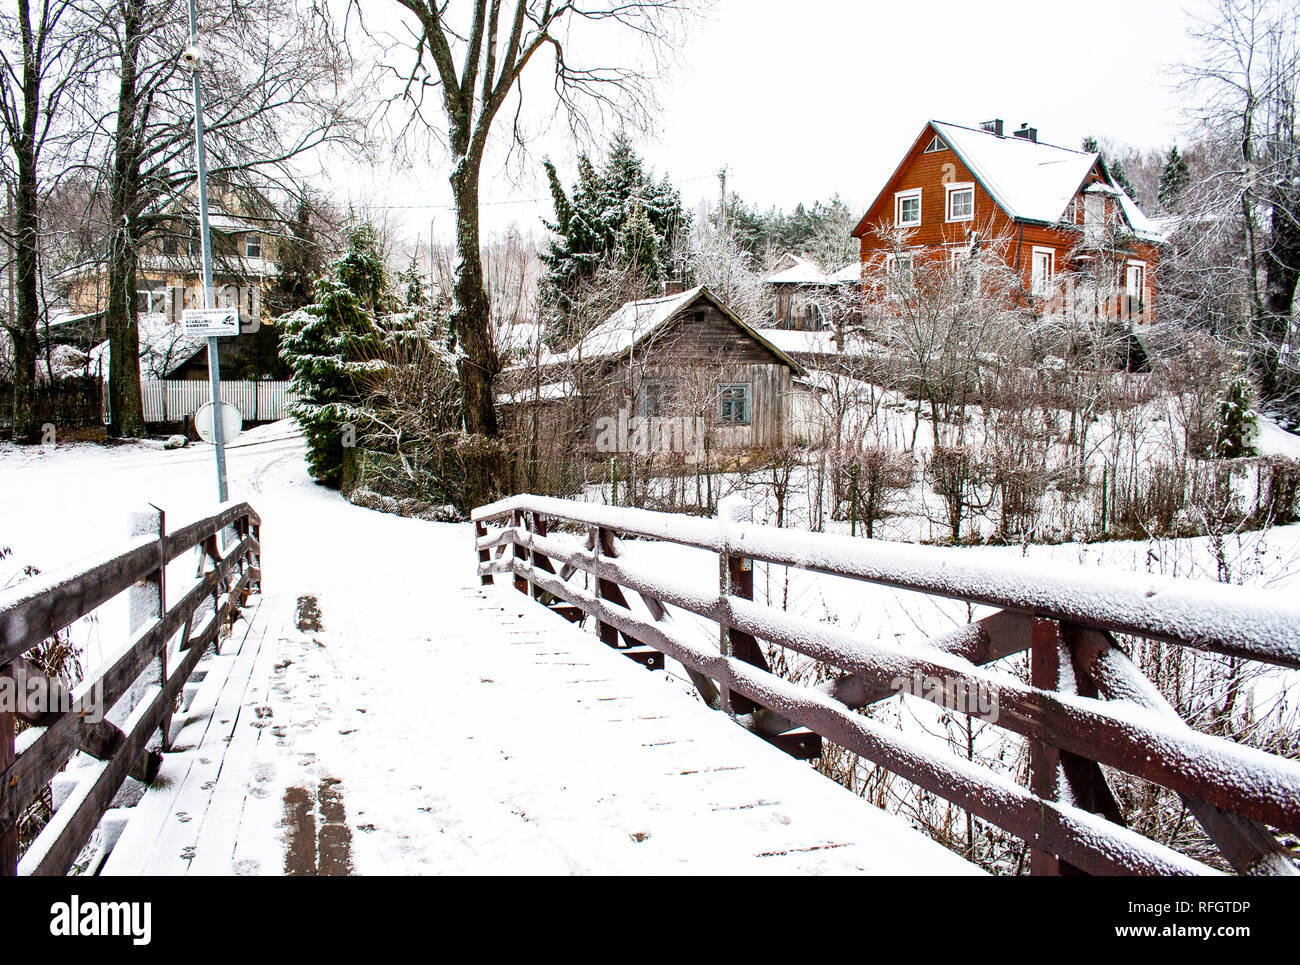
(1050, 212)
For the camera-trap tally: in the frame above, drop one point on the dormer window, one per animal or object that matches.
(961, 202)
(252, 245)
(907, 208)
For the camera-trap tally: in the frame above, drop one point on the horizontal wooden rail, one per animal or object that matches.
(164, 636)
(1237, 621)
(1108, 715)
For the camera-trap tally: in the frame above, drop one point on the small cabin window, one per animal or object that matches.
(936, 145)
(656, 397)
(961, 202)
(253, 245)
(733, 403)
(907, 208)
(1042, 269)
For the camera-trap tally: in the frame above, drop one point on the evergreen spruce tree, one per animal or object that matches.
(299, 261)
(1237, 420)
(1174, 177)
(328, 345)
(1118, 175)
(615, 211)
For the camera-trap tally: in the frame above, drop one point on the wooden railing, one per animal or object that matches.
(1086, 705)
(160, 653)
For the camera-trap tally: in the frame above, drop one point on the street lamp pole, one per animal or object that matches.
(194, 60)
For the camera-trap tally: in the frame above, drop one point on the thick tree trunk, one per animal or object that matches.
(1282, 270)
(124, 395)
(25, 226)
(471, 317)
(23, 333)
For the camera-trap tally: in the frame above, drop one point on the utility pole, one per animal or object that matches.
(193, 58)
(722, 200)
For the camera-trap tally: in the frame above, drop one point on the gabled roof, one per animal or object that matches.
(1029, 180)
(637, 321)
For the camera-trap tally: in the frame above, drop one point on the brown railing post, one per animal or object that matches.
(540, 561)
(484, 555)
(1044, 759)
(1049, 766)
(9, 835)
(146, 599)
(736, 578)
(603, 542)
(517, 552)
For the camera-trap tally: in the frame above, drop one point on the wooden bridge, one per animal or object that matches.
(540, 749)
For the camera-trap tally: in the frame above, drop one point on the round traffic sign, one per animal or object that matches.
(232, 423)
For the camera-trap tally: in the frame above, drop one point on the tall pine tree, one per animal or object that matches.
(617, 215)
(330, 345)
(1174, 177)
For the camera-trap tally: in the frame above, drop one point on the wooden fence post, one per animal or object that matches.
(517, 520)
(8, 836)
(738, 581)
(147, 598)
(484, 555)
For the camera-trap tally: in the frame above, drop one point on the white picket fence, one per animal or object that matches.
(177, 399)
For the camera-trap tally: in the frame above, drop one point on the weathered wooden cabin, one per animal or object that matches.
(682, 364)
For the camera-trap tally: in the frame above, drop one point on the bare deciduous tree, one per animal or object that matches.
(469, 61)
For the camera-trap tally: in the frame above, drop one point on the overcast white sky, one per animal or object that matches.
(801, 99)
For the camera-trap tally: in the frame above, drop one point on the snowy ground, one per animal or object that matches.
(405, 727)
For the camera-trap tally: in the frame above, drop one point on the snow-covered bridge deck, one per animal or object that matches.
(523, 745)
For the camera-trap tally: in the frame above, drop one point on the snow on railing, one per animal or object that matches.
(1086, 704)
(67, 721)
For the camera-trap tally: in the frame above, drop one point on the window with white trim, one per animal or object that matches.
(935, 146)
(1135, 277)
(1042, 269)
(961, 202)
(252, 245)
(907, 208)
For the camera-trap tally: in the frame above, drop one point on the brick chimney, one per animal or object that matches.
(1027, 132)
(673, 286)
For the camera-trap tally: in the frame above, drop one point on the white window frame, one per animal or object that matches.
(899, 198)
(1141, 293)
(936, 145)
(1038, 283)
(248, 244)
(949, 191)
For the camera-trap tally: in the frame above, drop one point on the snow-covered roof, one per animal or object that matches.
(164, 347)
(850, 272)
(1028, 179)
(638, 320)
(550, 392)
(801, 342)
(627, 326)
(802, 272)
(1144, 227)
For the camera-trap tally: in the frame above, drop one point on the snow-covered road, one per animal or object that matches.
(429, 726)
